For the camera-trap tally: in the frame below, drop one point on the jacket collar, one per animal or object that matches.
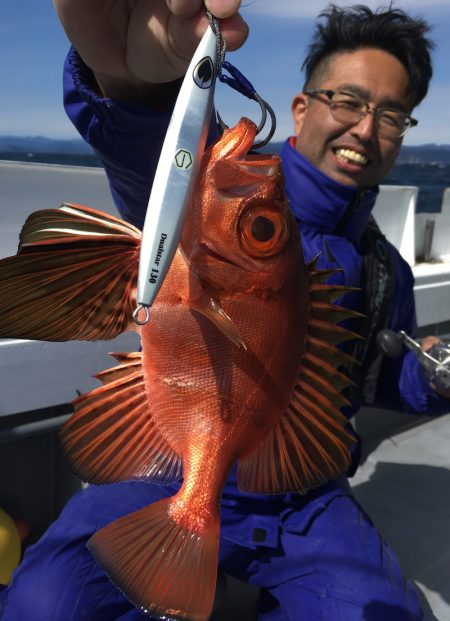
(322, 203)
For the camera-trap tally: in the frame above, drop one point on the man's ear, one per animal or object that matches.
(298, 109)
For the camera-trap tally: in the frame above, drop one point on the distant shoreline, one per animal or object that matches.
(50, 150)
(68, 159)
(417, 156)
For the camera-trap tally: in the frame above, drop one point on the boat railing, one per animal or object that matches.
(420, 237)
(432, 233)
(423, 239)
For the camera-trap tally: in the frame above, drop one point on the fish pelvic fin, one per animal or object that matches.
(310, 444)
(73, 278)
(162, 568)
(212, 310)
(112, 435)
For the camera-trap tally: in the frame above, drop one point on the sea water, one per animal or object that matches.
(432, 179)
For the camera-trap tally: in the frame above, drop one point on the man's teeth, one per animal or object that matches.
(348, 154)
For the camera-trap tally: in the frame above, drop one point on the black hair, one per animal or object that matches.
(348, 29)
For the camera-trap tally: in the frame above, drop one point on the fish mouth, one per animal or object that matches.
(237, 143)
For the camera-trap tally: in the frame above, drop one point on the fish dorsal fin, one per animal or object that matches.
(310, 444)
(73, 278)
(112, 435)
(71, 222)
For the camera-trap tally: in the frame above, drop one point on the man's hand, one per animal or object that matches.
(136, 47)
(426, 345)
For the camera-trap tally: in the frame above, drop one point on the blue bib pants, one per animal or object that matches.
(316, 557)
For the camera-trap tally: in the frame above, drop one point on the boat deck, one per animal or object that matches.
(404, 485)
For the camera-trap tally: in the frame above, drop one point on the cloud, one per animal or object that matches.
(288, 9)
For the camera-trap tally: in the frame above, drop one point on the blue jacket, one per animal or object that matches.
(127, 139)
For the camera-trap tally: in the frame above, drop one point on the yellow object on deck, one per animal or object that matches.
(10, 547)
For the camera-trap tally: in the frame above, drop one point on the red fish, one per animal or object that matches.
(238, 363)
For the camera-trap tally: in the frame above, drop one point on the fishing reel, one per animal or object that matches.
(435, 362)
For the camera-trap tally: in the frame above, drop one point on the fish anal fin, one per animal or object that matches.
(112, 435)
(163, 569)
(74, 277)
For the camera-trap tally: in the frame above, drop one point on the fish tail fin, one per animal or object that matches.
(73, 277)
(160, 566)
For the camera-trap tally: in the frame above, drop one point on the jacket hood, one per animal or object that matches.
(322, 203)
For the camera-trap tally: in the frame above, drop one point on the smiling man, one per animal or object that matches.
(318, 556)
(358, 141)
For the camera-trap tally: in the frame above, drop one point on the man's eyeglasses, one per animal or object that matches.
(349, 109)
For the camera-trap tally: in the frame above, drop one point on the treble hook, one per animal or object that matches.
(240, 83)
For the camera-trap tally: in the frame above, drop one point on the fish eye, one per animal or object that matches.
(263, 231)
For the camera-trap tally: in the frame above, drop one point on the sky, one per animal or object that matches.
(33, 47)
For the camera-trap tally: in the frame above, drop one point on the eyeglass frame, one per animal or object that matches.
(329, 93)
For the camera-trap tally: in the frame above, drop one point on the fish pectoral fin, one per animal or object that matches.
(74, 277)
(210, 308)
(161, 566)
(310, 445)
(112, 435)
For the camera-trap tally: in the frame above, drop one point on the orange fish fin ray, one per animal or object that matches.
(320, 275)
(213, 311)
(308, 447)
(74, 277)
(161, 567)
(112, 435)
(329, 293)
(70, 222)
(310, 444)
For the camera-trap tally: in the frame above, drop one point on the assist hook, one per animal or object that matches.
(240, 84)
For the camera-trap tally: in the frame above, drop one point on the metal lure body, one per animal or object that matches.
(176, 172)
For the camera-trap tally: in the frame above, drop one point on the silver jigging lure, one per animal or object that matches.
(176, 173)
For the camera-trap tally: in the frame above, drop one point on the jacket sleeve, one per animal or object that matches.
(126, 138)
(417, 393)
(402, 383)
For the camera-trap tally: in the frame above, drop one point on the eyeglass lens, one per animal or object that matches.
(349, 109)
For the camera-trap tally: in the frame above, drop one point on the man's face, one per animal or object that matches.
(357, 156)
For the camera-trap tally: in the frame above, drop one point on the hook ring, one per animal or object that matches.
(141, 322)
